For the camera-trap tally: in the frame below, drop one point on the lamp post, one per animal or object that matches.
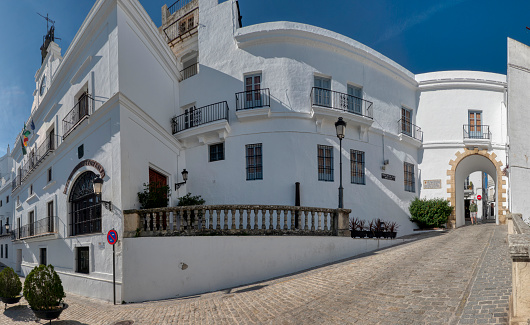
(98, 184)
(340, 126)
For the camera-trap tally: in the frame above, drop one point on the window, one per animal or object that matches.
(51, 139)
(86, 207)
(0, 203)
(254, 162)
(357, 167)
(49, 174)
(2, 251)
(253, 91)
(189, 68)
(5, 247)
(31, 223)
(325, 163)
(217, 152)
(406, 121)
(31, 189)
(322, 91)
(80, 151)
(18, 200)
(83, 260)
(7, 199)
(355, 99)
(409, 177)
(42, 260)
(475, 124)
(50, 217)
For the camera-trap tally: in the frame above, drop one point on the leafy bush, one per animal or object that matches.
(10, 285)
(430, 213)
(155, 195)
(43, 288)
(188, 199)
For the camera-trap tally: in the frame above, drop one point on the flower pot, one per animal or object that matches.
(51, 313)
(10, 301)
(370, 234)
(393, 234)
(357, 233)
(378, 234)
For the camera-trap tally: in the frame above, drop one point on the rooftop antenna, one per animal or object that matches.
(527, 27)
(48, 38)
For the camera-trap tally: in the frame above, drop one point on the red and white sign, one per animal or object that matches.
(479, 197)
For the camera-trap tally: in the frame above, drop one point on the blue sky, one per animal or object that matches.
(420, 35)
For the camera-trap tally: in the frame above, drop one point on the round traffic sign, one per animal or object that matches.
(112, 237)
(479, 197)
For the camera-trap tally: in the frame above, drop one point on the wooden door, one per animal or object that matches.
(475, 124)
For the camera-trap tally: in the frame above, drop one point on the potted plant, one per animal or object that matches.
(371, 229)
(357, 228)
(44, 292)
(379, 227)
(392, 227)
(10, 287)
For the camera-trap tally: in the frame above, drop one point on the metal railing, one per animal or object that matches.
(179, 4)
(81, 110)
(183, 27)
(189, 71)
(199, 116)
(476, 131)
(407, 128)
(40, 227)
(234, 219)
(252, 99)
(37, 156)
(16, 182)
(340, 101)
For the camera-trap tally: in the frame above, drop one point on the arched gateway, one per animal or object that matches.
(468, 162)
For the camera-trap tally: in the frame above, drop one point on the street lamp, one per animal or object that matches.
(98, 184)
(340, 125)
(184, 177)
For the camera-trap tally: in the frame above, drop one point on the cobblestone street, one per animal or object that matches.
(461, 276)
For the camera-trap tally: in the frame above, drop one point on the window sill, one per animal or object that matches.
(50, 184)
(31, 197)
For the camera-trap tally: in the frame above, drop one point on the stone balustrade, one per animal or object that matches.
(519, 243)
(236, 220)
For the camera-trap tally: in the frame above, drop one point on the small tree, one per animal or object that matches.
(10, 285)
(430, 213)
(43, 288)
(155, 195)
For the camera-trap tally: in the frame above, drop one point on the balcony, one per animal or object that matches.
(189, 71)
(202, 122)
(329, 104)
(409, 132)
(184, 27)
(253, 104)
(15, 183)
(39, 228)
(36, 157)
(77, 115)
(477, 136)
(177, 6)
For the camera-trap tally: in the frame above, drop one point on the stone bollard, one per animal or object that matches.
(341, 223)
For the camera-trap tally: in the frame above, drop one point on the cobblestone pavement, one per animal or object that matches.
(448, 278)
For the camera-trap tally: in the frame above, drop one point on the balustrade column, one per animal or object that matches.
(248, 219)
(285, 215)
(233, 218)
(312, 220)
(293, 217)
(263, 212)
(241, 219)
(319, 220)
(225, 226)
(306, 220)
(278, 219)
(271, 219)
(256, 218)
(210, 219)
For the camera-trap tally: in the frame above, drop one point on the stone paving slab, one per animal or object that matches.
(458, 276)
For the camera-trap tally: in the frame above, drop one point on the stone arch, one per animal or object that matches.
(451, 182)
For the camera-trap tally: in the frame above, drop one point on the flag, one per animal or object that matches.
(32, 126)
(23, 148)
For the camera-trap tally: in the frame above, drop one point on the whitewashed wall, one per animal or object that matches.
(170, 267)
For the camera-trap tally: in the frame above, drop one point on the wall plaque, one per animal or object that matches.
(389, 177)
(432, 184)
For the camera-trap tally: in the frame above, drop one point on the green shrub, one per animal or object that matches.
(155, 195)
(43, 288)
(430, 213)
(188, 199)
(10, 285)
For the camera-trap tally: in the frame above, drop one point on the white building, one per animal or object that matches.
(249, 112)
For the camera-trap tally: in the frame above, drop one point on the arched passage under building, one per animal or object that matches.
(466, 163)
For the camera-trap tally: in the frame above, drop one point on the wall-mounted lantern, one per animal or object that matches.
(184, 177)
(98, 184)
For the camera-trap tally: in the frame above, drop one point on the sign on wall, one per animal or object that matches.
(432, 184)
(387, 176)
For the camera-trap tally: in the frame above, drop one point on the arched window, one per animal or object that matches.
(85, 206)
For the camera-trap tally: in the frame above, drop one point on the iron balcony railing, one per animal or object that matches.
(177, 6)
(340, 101)
(16, 182)
(189, 71)
(80, 111)
(183, 27)
(37, 156)
(407, 128)
(198, 116)
(476, 131)
(253, 99)
(38, 228)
